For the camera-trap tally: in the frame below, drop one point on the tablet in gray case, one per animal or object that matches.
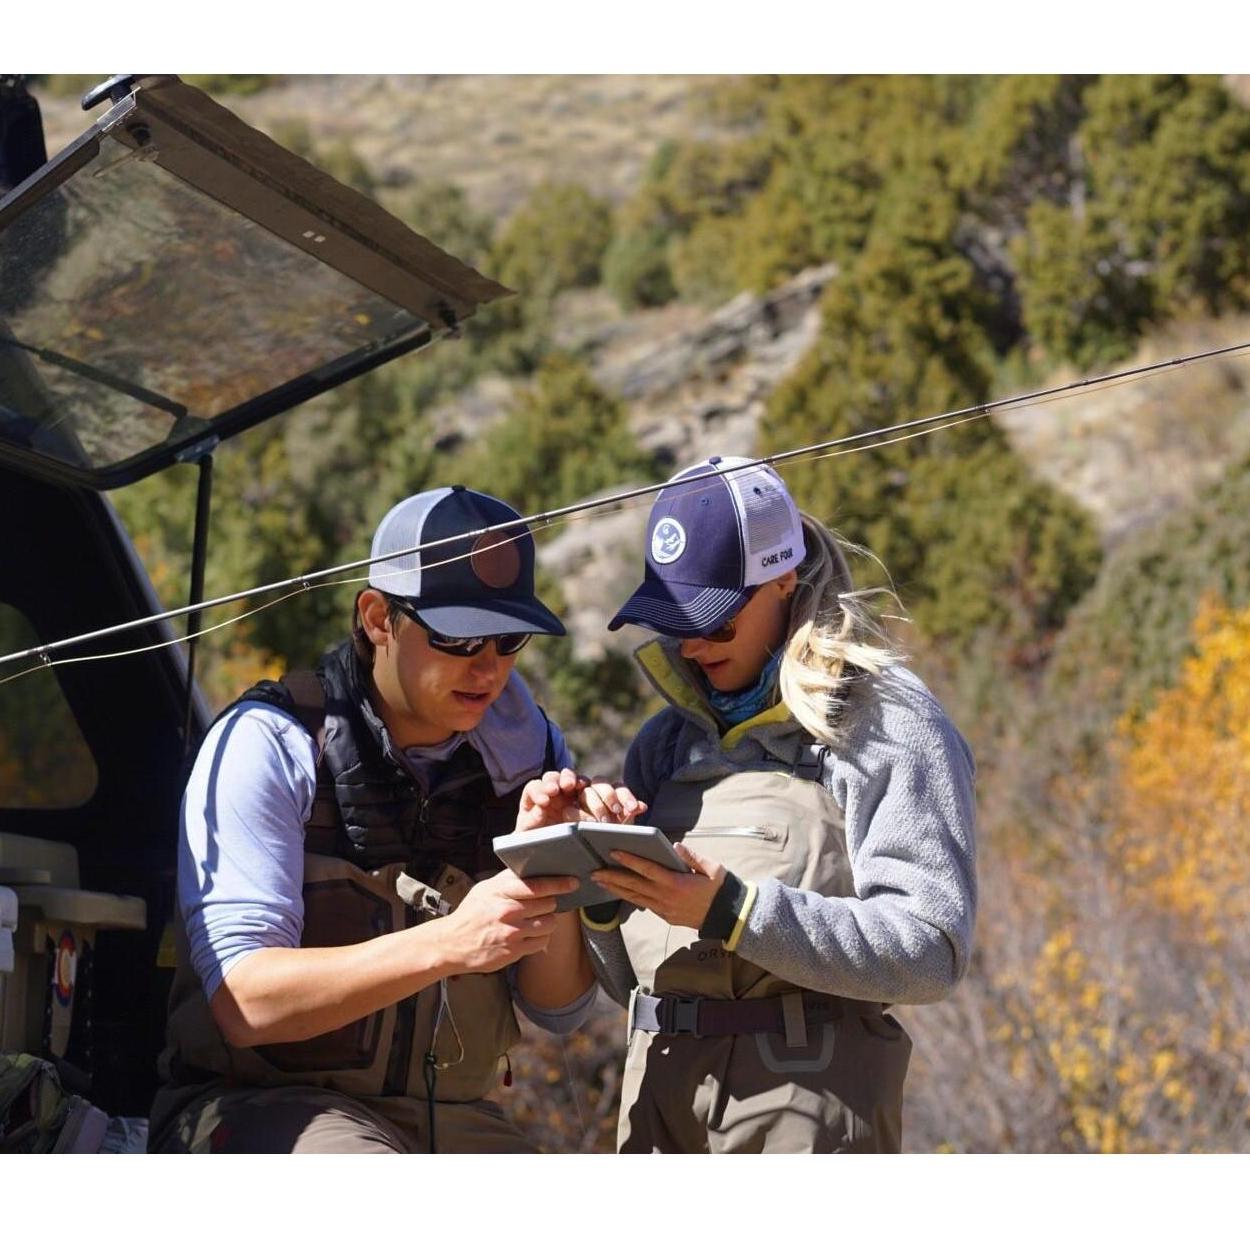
(644, 840)
(576, 849)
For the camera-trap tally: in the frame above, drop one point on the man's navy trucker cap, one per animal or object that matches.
(472, 587)
(710, 543)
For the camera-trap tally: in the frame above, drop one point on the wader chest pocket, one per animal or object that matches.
(752, 851)
(744, 848)
(338, 912)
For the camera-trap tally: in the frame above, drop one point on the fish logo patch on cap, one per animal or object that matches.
(668, 541)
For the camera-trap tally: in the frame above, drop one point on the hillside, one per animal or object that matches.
(495, 136)
(831, 256)
(1136, 451)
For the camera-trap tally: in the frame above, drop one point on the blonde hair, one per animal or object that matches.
(831, 628)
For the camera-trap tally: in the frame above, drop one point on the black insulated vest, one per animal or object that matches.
(369, 808)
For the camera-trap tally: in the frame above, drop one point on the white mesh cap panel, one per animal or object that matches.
(772, 531)
(401, 527)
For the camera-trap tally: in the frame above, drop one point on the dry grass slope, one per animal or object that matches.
(497, 136)
(1137, 450)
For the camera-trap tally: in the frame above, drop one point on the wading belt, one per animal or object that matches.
(719, 1017)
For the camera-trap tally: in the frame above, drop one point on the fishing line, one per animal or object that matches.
(233, 620)
(568, 1074)
(156, 646)
(922, 425)
(47, 662)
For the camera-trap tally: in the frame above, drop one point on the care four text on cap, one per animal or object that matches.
(777, 557)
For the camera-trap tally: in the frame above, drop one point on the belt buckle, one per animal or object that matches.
(681, 1016)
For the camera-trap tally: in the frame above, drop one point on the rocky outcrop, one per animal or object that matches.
(695, 384)
(1133, 452)
(703, 391)
(470, 411)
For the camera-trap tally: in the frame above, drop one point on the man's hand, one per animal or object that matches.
(565, 795)
(680, 898)
(501, 919)
(289, 994)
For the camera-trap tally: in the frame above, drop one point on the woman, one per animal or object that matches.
(825, 806)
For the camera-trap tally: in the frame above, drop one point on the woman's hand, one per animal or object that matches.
(680, 898)
(565, 795)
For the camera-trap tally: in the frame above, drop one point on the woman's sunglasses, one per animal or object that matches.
(505, 644)
(729, 630)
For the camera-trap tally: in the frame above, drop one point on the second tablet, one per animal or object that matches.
(578, 848)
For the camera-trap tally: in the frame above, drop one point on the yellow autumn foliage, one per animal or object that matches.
(1142, 1006)
(1182, 835)
(1111, 1010)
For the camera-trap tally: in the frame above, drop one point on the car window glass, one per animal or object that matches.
(133, 308)
(44, 761)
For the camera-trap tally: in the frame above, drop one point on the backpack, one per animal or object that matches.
(37, 1116)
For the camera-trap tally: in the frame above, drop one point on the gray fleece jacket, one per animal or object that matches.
(902, 775)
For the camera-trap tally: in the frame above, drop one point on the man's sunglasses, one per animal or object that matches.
(505, 644)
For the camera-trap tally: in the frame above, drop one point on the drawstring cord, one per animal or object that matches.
(568, 1074)
(430, 1065)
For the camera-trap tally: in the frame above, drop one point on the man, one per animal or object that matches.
(348, 953)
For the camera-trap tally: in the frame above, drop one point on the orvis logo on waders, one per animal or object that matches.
(668, 541)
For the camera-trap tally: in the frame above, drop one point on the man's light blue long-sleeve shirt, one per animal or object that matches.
(241, 854)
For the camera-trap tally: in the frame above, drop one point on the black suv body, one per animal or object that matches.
(170, 279)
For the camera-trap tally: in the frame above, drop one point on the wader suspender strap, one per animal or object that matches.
(310, 705)
(549, 752)
(310, 710)
(811, 762)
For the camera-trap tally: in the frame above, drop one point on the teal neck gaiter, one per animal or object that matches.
(735, 706)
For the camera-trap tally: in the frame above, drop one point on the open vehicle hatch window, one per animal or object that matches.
(44, 760)
(174, 274)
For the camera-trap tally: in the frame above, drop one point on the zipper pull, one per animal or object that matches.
(420, 821)
(507, 1076)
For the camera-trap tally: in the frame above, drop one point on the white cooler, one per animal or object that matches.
(46, 924)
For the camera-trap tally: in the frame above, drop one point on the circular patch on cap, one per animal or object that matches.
(495, 560)
(668, 541)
